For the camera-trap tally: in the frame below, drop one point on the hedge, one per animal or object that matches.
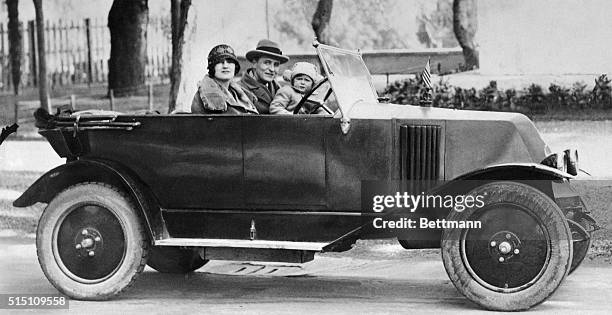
(531, 100)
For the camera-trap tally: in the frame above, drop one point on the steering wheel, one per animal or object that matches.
(316, 104)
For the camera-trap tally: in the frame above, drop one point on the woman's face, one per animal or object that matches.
(225, 70)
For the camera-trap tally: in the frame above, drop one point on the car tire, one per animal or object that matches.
(90, 242)
(169, 259)
(523, 226)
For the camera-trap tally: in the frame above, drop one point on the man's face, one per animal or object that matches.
(266, 68)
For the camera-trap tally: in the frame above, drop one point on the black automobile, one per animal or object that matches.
(175, 191)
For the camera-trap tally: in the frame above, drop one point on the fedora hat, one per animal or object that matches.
(266, 48)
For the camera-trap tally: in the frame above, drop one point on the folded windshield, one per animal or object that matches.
(348, 75)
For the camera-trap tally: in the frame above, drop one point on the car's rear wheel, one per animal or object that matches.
(169, 259)
(518, 258)
(90, 242)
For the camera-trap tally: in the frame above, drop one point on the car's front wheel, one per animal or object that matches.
(518, 257)
(90, 242)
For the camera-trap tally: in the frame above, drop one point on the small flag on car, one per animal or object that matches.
(426, 98)
(426, 75)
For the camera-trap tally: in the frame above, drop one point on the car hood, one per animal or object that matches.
(472, 139)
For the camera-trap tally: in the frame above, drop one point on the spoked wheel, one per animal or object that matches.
(169, 259)
(518, 258)
(90, 242)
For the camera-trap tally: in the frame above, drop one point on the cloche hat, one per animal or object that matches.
(220, 52)
(266, 48)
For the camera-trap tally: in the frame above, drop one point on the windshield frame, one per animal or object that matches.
(335, 77)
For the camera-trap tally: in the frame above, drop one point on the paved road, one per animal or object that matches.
(326, 285)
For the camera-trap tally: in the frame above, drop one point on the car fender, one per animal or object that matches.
(510, 169)
(551, 181)
(71, 173)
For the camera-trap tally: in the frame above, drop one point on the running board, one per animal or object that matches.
(200, 242)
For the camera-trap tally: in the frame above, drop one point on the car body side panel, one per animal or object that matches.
(284, 161)
(474, 139)
(365, 153)
(189, 162)
(465, 140)
(297, 226)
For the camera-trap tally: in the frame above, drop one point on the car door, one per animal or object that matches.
(284, 161)
(198, 162)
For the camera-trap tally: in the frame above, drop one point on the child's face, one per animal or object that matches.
(302, 83)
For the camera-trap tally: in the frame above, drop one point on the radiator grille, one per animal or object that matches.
(420, 152)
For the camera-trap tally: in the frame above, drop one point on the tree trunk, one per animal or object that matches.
(465, 25)
(15, 43)
(320, 20)
(42, 60)
(127, 23)
(194, 54)
(179, 10)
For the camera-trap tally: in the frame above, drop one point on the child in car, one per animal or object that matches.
(302, 77)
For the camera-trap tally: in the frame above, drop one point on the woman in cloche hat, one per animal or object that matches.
(217, 93)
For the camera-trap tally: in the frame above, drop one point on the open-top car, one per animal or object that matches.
(174, 191)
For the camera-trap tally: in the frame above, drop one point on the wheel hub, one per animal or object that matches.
(504, 245)
(510, 252)
(83, 238)
(88, 242)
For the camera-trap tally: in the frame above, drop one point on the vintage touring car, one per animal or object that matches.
(174, 191)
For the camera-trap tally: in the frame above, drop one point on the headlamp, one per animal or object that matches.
(567, 161)
(571, 159)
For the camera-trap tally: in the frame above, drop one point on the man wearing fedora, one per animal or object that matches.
(259, 79)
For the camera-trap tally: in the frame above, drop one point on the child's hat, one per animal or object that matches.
(305, 68)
